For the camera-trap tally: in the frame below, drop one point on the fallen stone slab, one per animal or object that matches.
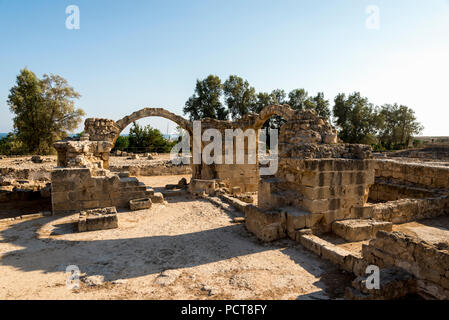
(360, 229)
(157, 197)
(98, 219)
(140, 204)
(199, 186)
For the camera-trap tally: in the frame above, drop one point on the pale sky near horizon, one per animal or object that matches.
(133, 54)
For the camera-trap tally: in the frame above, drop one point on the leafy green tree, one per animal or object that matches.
(321, 106)
(205, 102)
(10, 145)
(356, 118)
(44, 110)
(279, 96)
(298, 99)
(263, 99)
(240, 97)
(148, 139)
(398, 126)
(122, 143)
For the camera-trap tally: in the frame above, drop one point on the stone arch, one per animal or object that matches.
(152, 112)
(283, 111)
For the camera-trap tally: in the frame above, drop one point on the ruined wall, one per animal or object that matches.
(74, 189)
(318, 180)
(406, 210)
(245, 175)
(418, 174)
(83, 153)
(428, 262)
(160, 168)
(385, 190)
(433, 151)
(330, 187)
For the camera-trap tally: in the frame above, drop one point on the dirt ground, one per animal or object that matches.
(185, 249)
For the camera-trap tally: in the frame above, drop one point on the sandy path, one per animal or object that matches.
(199, 251)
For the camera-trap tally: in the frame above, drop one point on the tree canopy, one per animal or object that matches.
(240, 97)
(397, 126)
(205, 102)
(147, 139)
(44, 110)
(356, 118)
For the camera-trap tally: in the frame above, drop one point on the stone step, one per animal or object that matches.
(360, 229)
(343, 258)
(297, 219)
(130, 180)
(123, 174)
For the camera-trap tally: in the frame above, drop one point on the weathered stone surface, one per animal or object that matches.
(198, 185)
(140, 204)
(394, 284)
(98, 219)
(426, 261)
(74, 189)
(267, 226)
(157, 197)
(359, 229)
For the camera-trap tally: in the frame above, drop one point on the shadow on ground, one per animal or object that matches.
(134, 257)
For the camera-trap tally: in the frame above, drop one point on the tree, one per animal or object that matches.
(263, 99)
(44, 110)
(298, 99)
(240, 97)
(279, 96)
(321, 106)
(356, 118)
(398, 125)
(9, 145)
(122, 143)
(205, 102)
(148, 139)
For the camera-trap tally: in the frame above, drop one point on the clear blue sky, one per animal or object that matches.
(132, 54)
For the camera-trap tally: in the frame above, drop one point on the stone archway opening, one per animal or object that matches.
(155, 162)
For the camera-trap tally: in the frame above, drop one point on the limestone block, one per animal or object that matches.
(358, 229)
(140, 204)
(199, 185)
(267, 226)
(98, 219)
(157, 197)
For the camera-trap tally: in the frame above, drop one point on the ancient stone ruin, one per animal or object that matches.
(326, 195)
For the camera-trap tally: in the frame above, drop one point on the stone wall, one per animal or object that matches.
(244, 175)
(102, 129)
(431, 151)
(418, 174)
(326, 187)
(83, 153)
(160, 168)
(75, 189)
(428, 262)
(404, 210)
(385, 190)
(318, 180)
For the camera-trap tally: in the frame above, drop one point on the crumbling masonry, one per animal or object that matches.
(323, 189)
